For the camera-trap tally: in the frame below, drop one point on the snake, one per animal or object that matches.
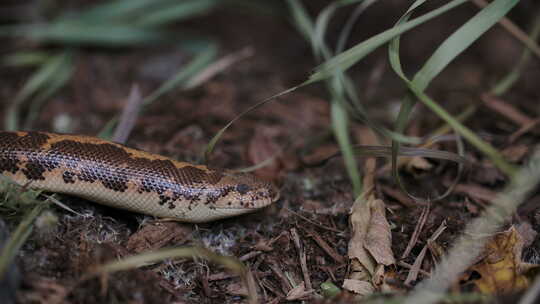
(112, 174)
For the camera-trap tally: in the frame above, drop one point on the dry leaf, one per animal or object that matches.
(360, 219)
(370, 245)
(379, 239)
(362, 288)
(500, 268)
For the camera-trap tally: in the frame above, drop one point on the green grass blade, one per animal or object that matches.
(445, 53)
(461, 39)
(347, 28)
(335, 86)
(301, 19)
(470, 136)
(176, 12)
(509, 80)
(18, 238)
(351, 56)
(341, 130)
(317, 39)
(25, 59)
(131, 262)
(73, 32)
(393, 48)
(116, 9)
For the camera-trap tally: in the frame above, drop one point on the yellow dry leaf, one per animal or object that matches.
(500, 268)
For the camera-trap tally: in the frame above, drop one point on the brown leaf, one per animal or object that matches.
(379, 238)
(500, 268)
(370, 245)
(360, 219)
(362, 288)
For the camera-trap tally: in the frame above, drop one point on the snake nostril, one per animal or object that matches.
(242, 188)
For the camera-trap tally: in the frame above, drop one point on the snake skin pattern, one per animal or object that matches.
(118, 176)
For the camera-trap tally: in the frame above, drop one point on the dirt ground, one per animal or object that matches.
(312, 216)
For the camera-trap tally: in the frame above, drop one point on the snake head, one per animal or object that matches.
(244, 191)
(233, 194)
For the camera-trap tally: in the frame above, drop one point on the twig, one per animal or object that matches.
(302, 257)
(401, 197)
(285, 284)
(324, 246)
(314, 223)
(413, 273)
(409, 266)
(414, 238)
(249, 255)
(267, 285)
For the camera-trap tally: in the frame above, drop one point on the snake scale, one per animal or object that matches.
(126, 178)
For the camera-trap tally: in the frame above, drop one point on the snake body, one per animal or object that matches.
(126, 178)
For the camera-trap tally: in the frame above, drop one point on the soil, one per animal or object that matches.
(315, 200)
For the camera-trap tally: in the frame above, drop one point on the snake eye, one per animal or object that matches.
(242, 188)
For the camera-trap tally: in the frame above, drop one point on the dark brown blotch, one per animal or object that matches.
(192, 175)
(110, 164)
(34, 170)
(27, 141)
(100, 162)
(15, 146)
(68, 177)
(9, 162)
